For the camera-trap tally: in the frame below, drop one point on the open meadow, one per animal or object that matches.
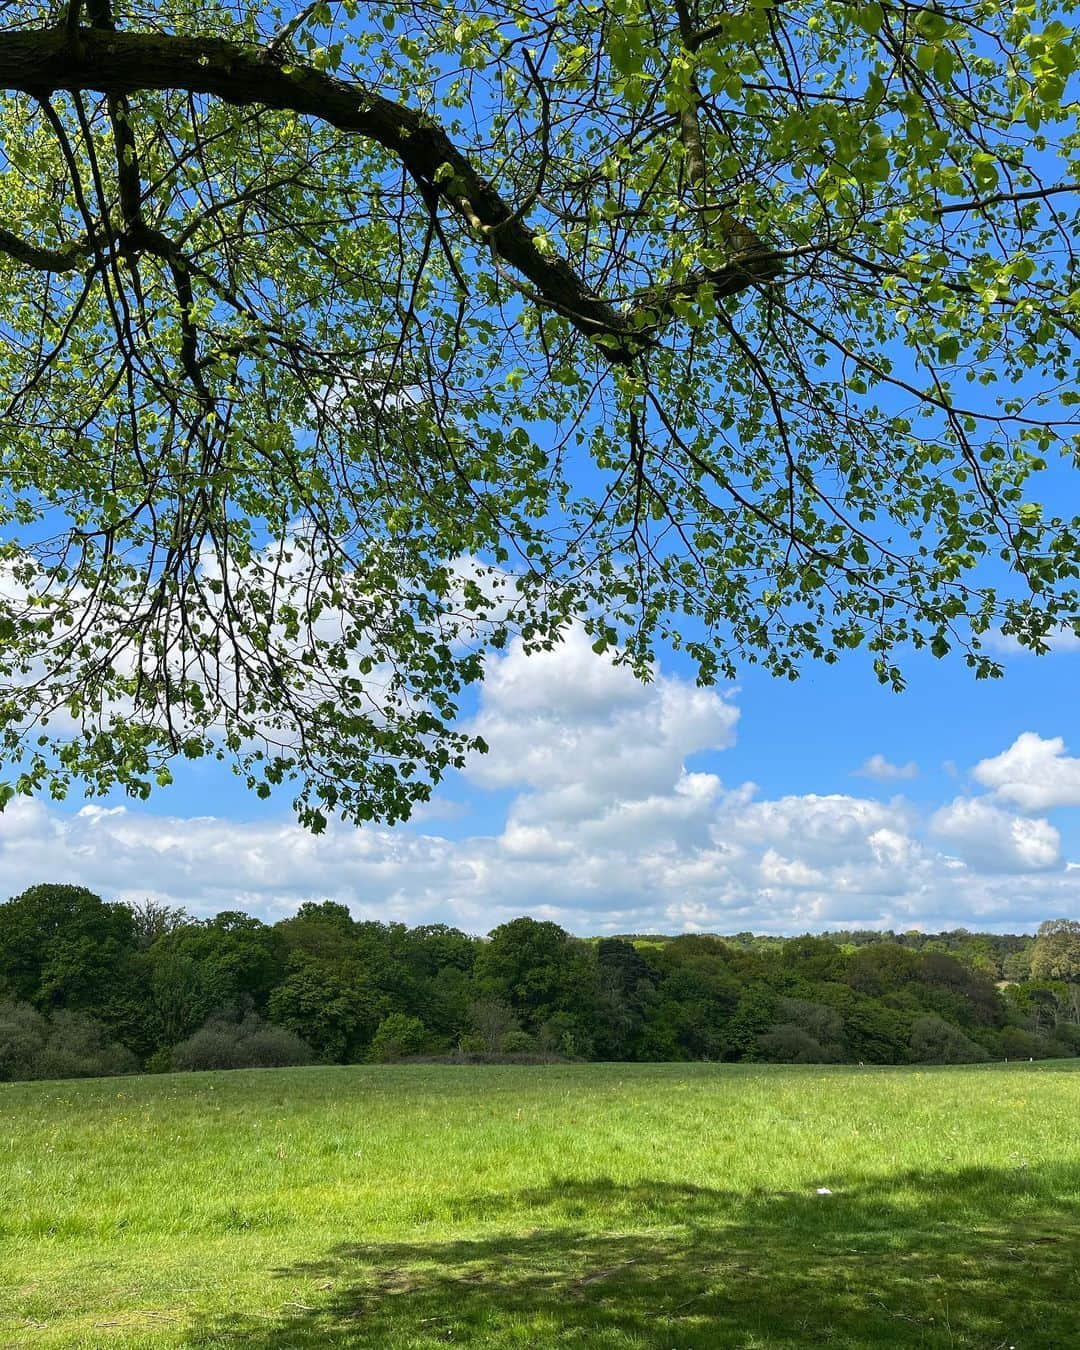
(667, 1206)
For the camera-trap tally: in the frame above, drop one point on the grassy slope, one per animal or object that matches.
(667, 1206)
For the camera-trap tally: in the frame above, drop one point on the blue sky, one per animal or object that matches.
(610, 806)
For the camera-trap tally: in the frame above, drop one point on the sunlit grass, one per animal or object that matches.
(666, 1206)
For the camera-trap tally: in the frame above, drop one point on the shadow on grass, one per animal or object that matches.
(978, 1258)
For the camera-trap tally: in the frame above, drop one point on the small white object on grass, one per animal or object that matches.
(823, 1190)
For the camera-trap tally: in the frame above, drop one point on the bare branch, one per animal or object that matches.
(981, 203)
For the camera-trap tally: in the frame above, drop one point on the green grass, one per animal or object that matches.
(665, 1206)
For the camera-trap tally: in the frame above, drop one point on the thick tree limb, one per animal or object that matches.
(67, 259)
(118, 64)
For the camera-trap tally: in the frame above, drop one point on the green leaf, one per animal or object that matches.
(870, 17)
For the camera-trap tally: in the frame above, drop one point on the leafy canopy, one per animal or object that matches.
(341, 342)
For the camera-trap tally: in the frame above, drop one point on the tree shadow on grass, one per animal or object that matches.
(976, 1258)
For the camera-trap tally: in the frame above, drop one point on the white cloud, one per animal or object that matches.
(708, 861)
(879, 768)
(610, 827)
(832, 829)
(586, 733)
(788, 872)
(1061, 639)
(990, 839)
(1035, 773)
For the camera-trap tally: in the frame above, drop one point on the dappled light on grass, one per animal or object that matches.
(979, 1257)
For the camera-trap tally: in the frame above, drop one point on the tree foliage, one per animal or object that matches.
(231, 992)
(339, 342)
(397, 1037)
(63, 947)
(1056, 955)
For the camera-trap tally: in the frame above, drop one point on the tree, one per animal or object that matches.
(1038, 1003)
(64, 947)
(324, 931)
(963, 994)
(340, 345)
(433, 947)
(881, 969)
(492, 1021)
(151, 920)
(813, 958)
(439, 960)
(331, 1005)
(538, 970)
(230, 963)
(398, 1036)
(1056, 954)
(702, 1009)
(1017, 965)
(626, 983)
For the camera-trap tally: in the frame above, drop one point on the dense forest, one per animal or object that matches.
(89, 987)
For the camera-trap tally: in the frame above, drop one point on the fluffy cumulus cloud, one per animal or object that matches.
(585, 733)
(992, 840)
(606, 823)
(880, 769)
(1035, 773)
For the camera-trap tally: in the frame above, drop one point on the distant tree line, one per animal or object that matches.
(89, 988)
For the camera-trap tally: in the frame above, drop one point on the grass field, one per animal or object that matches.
(662, 1206)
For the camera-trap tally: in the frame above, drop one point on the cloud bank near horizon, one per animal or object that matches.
(606, 830)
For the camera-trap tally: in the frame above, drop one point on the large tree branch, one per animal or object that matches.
(67, 259)
(118, 64)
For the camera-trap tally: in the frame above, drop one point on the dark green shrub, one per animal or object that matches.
(67, 1045)
(934, 1041)
(79, 1047)
(563, 1034)
(247, 1044)
(790, 1044)
(23, 1033)
(1016, 1043)
(824, 1024)
(1068, 1034)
